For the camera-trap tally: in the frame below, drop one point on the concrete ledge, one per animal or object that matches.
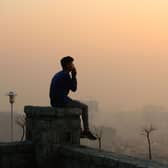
(47, 127)
(16, 147)
(88, 157)
(17, 155)
(34, 111)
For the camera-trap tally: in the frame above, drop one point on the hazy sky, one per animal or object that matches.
(119, 46)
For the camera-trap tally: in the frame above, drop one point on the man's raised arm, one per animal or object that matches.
(73, 83)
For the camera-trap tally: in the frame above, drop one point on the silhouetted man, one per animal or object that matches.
(61, 84)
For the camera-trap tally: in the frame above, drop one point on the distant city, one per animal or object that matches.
(121, 135)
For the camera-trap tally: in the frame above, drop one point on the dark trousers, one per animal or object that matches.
(84, 108)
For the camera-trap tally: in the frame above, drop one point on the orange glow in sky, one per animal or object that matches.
(120, 48)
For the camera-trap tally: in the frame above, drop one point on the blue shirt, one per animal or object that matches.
(60, 86)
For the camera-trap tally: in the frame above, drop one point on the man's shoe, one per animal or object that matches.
(89, 135)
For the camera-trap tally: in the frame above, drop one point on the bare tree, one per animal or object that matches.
(21, 121)
(98, 132)
(146, 131)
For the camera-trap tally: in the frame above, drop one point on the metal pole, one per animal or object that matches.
(11, 121)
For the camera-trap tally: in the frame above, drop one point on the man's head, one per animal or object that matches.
(67, 63)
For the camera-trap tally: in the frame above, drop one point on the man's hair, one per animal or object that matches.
(66, 60)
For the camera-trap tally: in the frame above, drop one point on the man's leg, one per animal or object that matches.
(84, 107)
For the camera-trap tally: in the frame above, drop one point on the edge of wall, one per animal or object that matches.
(104, 159)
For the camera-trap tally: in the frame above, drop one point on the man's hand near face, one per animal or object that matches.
(74, 72)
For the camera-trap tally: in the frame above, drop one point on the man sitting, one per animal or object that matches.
(61, 84)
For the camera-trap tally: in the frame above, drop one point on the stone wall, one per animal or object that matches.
(48, 128)
(83, 157)
(17, 155)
